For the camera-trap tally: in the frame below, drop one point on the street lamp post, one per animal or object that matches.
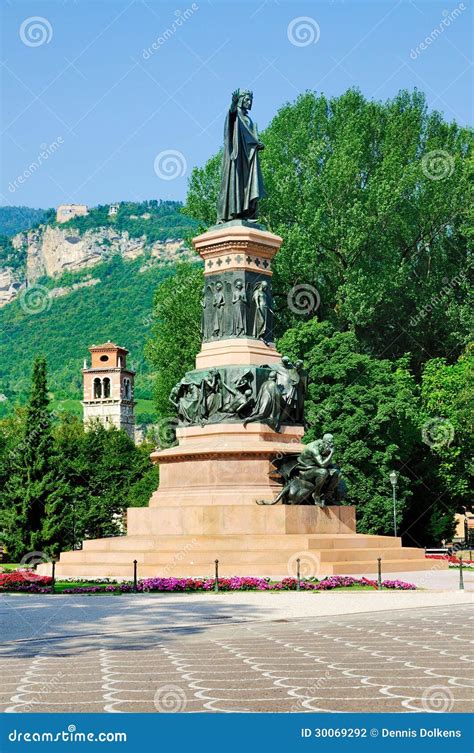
(393, 475)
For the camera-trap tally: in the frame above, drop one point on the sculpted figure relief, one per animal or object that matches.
(269, 404)
(204, 317)
(242, 401)
(212, 397)
(239, 309)
(262, 311)
(294, 385)
(185, 397)
(218, 303)
(311, 478)
(241, 180)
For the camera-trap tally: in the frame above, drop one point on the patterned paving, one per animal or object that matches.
(408, 661)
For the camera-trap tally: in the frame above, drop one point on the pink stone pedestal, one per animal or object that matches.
(222, 464)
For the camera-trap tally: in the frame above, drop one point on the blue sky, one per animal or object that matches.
(79, 85)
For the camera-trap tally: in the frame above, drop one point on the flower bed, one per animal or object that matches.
(25, 580)
(451, 559)
(29, 583)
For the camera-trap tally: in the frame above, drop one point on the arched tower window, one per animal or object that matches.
(127, 391)
(97, 388)
(106, 383)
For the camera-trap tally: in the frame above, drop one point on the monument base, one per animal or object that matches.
(171, 541)
(206, 506)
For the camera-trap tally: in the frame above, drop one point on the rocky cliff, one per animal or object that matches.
(51, 251)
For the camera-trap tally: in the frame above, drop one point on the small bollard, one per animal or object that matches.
(53, 575)
(216, 581)
(135, 582)
(298, 574)
(461, 576)
(379, 572)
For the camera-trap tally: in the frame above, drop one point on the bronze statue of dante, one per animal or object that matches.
(242, 182)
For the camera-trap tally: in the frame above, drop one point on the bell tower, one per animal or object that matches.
(109, 387)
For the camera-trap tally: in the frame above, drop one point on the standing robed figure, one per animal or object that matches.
(242, 182)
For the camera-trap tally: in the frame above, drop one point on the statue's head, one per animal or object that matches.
(286, 362)
(245, 99)
(218, 285)
(328, 439)
(239, 284)
(299, 365)
(264, 285)
(273, 376)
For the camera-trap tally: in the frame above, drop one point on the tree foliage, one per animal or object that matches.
(32, 477)
(17, 219)
(447, 422)
(369, 404)
(176, 336)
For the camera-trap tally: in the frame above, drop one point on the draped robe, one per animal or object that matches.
(242, 181)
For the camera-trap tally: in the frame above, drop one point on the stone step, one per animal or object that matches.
(179, 543)
(242, 542)
(352, 541)
(239, 557)
(347, 555)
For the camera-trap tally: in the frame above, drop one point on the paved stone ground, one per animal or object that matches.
(407, 660)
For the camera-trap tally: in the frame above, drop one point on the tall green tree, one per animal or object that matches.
(176, 332)
(103, 473)
(447, 423)
(371, 407)
(32, 478)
